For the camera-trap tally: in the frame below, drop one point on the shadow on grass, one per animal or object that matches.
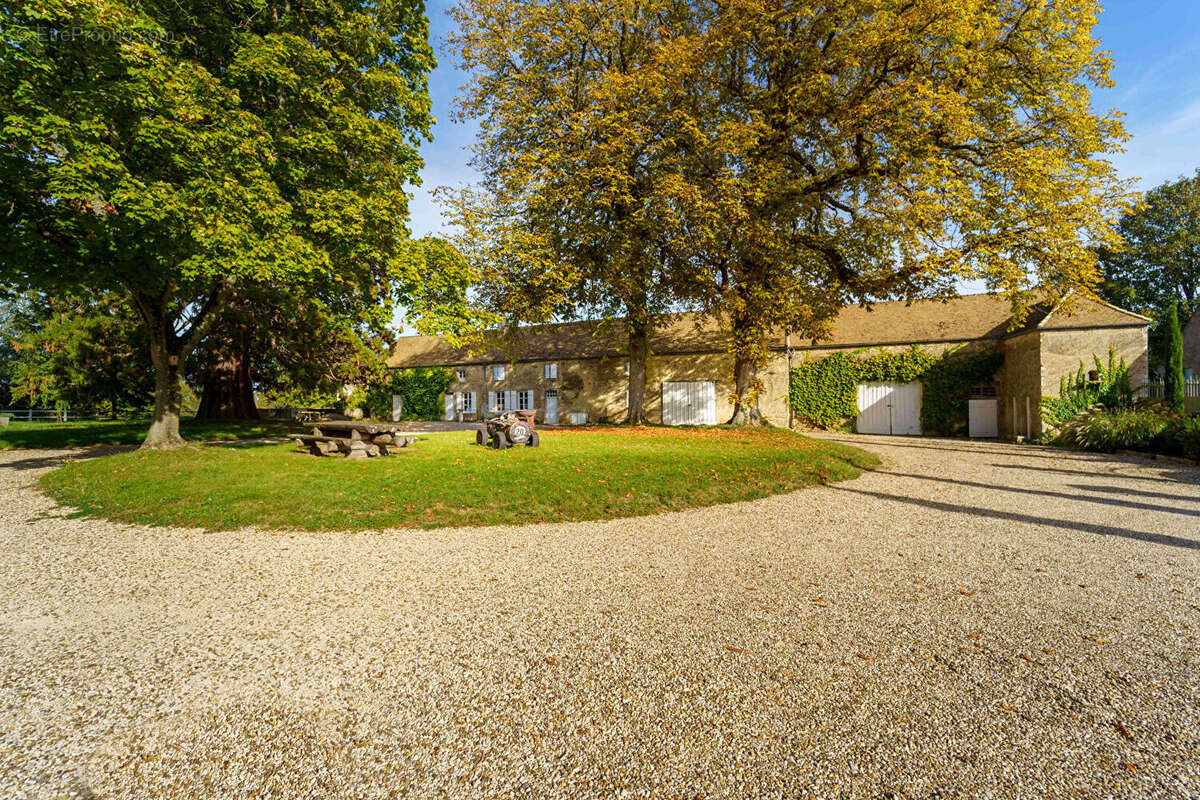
(46, 462)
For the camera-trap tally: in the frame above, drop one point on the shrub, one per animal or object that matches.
(1181, 437)
(1112, 390)
(1106, 430)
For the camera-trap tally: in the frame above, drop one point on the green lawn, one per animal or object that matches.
(21, 435)
(444, 479)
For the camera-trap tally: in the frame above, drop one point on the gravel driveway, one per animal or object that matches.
(977, 620)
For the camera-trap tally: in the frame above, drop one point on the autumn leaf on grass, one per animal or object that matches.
(1008, 707)
(733, 649)
(1121, 729)
(966, 593)
(866, 657)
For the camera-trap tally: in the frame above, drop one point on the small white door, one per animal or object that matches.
(889, 408)
(550, 415)
(449, 399)
(689, 403)
(397, 407)
(982, 419)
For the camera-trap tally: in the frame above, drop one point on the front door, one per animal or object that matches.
(550, 415)
(449, 398)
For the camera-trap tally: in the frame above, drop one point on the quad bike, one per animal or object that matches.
(512, 429)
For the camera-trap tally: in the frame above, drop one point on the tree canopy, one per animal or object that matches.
(788, 159)
(1160, 262)
(210, 149)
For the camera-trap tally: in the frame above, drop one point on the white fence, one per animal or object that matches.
(50, 414)
(1157, 389)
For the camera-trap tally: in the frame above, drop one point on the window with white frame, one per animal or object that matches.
(498, 372)
(496, 401)
(524, 400)
(550, 372)
(468, 402)
(461, 374)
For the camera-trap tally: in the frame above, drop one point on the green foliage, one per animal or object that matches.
(420, 390)
(1108, 429)
(1158, 265)
(76, 352)
(1112, 389)
(823, 392)
(1181, 437)
(1173, 360)
(253, 147)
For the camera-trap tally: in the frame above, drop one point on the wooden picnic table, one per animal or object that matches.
(355, 439)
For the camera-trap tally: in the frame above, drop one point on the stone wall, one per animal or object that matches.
(1019, 387)
(1191, 345)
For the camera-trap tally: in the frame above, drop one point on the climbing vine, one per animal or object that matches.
(824, 391)
(420, 389)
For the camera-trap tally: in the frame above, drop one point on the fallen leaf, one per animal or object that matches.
(1008, 707)
(966, 593)
(733, 649)
(1130, 768)
(1029, 658)
(551, 660)
(1047, 650)
(866, 657)
(1121, 729)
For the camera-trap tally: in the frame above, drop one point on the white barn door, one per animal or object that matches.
(689, 403)
(550, 414)
(889, 408)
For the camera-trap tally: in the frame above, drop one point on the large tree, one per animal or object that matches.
(582, 150)
(1160, 261)
(866, 149)
(208, 149)
(77, 352)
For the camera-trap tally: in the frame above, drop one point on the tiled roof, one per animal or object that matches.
(978, 316)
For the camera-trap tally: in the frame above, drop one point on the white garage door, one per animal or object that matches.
(689, 402)
(889, 408)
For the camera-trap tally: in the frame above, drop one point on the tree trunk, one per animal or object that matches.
(169, 350)
(228, 390)
(168, 398)
(746, 388)
(639, 353)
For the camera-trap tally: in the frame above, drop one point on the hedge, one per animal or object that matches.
(824, 392)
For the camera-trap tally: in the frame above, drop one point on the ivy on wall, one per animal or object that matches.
(420, 390)
(824, 392)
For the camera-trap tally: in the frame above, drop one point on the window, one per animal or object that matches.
(499, 404)
(461, 374)
(498, 372)
(524, 400)
(468, 402)
(550, 372)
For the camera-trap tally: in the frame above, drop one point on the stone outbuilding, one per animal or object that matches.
(1191, 347)
(577, 372)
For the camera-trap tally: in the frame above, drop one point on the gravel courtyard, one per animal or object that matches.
(975, 620)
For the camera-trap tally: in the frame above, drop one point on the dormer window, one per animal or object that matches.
(461, 374)
(498, 372)
(550, 372)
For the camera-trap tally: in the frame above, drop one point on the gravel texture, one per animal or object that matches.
(977, 620)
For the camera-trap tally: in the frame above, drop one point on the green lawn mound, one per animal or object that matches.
(444, 479)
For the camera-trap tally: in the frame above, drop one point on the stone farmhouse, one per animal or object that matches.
(577, 373)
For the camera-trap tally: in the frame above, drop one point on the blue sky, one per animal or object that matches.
(1155, 44)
